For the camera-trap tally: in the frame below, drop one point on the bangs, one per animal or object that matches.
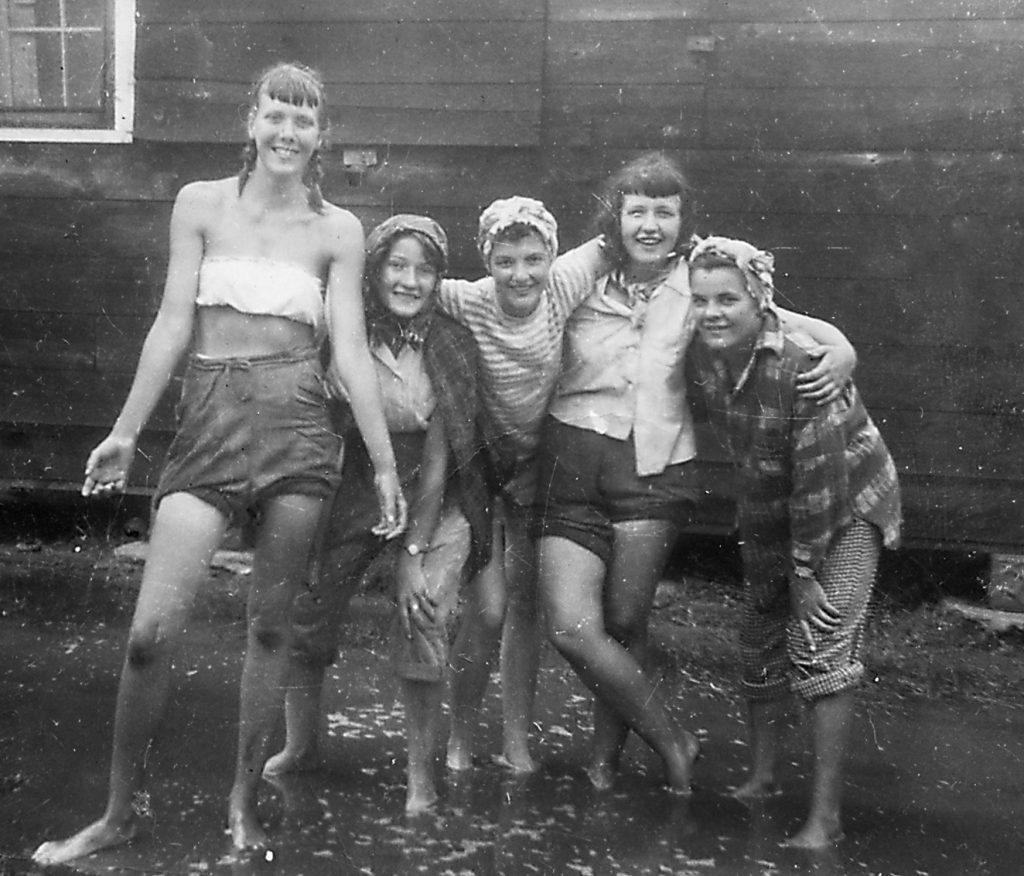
(652, 175)
(655, 182)
(655, 188)
(292, 84)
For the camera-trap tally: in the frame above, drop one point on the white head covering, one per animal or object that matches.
(517, 210)
(756, 265)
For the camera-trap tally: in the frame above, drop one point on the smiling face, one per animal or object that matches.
(728, 318)
(408, 278)
(650, 229)
(286, 134)
(520, 270)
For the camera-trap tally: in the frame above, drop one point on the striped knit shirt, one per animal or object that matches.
(520, 357)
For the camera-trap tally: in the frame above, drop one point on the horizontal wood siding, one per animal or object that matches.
(83, 239)
(876, 148)
(424, 73)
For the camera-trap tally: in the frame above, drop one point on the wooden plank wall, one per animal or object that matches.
(875, 147)
(446, 91)
(424, 72)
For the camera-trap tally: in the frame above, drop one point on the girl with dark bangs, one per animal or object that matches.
(616, 462)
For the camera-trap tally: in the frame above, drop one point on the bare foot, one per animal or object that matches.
(602, 775)
(756, 788)
(98, 835)
(815, 834)
(459, 758)
(300, 801)
(245, 828)
(679, 776)
(420, 798)
(518, 763)
(286, 761)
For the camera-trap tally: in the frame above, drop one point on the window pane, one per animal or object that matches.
(85, 13)
(85, 71)
(22, 13)
(57, 64)
(47, 13)
(24, 72)
(36, 71)
(48, 70)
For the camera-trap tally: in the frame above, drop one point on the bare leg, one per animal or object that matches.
(765, 719)
(641, 551)
(473, 653)
(186, 532)
(422, 701)
(315, 618)
(847, 576)
(831, 716)
(520, 648)
(302, 720)
(571, 583)
(282, 553)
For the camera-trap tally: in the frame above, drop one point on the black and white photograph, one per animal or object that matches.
(512, 437)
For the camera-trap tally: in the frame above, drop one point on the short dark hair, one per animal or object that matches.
(654, 175)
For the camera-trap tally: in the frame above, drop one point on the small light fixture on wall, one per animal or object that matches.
(357, 163)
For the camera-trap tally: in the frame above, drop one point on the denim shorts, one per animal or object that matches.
(250, 429)
(588, 482)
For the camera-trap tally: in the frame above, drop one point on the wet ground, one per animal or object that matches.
(935, 787)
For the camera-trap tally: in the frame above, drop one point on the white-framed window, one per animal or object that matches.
(67, 70)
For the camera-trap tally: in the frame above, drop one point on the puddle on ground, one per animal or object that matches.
(934, 787)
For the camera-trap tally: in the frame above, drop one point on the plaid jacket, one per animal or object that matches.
(804, 471)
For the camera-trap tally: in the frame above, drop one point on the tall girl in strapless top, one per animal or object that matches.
(259, 265)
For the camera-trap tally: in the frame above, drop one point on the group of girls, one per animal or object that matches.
(527, 434)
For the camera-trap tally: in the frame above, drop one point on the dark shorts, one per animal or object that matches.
(587, 482)
(250, 429)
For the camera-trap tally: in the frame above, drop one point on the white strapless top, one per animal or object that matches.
(262, 286)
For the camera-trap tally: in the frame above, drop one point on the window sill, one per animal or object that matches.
(64, 135)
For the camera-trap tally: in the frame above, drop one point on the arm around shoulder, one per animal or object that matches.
(838, 358)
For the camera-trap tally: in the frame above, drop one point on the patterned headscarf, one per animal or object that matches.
(384, 234)
(756, 265)
(382, 325)
(517, 210)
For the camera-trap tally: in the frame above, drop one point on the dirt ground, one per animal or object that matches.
(57, 560)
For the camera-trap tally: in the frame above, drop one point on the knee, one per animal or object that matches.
(490, 615)
(626, 630)
(147, 644)
(270, 634)
(569, 639)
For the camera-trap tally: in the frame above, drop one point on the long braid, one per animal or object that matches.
(248, 164)
(312, 178)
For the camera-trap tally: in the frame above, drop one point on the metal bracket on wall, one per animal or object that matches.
(357, 163)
